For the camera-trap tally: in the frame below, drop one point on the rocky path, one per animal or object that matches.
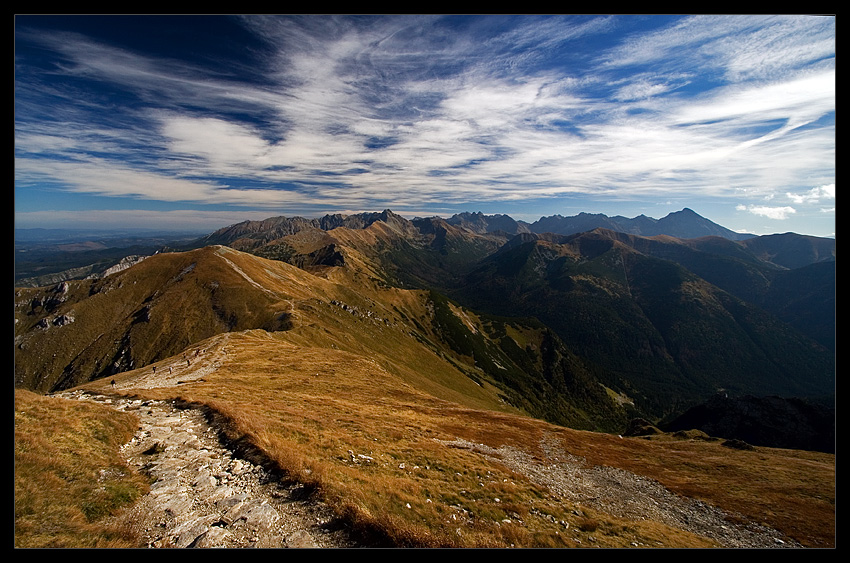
(202, 496)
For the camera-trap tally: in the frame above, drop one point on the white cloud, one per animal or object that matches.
(109, 179)
(814, 195)
(778, 213)
(215, 140)
(799, 100)
(742, 47)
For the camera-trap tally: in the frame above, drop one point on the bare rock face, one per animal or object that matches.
(204, 496)
(63, 320)
(122, 265)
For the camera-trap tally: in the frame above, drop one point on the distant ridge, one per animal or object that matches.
(684, 224)
(278, 227)
(480, 223)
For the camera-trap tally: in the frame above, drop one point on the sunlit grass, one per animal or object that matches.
(360, 407)
(374, 448)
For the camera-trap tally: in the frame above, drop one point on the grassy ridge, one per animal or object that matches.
(317, 412)
(158, 308)
(359, 388)
(375, 448)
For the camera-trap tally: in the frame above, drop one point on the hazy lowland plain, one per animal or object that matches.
(435, 383)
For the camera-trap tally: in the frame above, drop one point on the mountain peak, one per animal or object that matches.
(683, 224)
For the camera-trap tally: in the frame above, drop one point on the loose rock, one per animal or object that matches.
(204, 497)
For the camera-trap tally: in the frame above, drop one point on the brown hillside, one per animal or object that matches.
(346, 384)
(85, 329)
(158, 308)
(432, 472)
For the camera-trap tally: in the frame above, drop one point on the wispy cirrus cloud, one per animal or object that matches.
(364, 112)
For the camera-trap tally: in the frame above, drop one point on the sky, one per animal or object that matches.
(200, 122)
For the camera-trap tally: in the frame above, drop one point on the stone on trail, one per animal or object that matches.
(300, 539)
(186, 533)
(201, 495)
(213, 537)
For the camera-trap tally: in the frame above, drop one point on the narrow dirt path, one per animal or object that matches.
(204, 496)
(198, 361)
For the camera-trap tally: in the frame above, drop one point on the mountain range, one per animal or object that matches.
(680, 224)
(460, 382)
(585, 328)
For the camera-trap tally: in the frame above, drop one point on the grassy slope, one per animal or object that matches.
(313, 411)
(350, 376)
(161, 306)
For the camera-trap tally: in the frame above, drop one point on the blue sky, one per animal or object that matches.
(198, 122)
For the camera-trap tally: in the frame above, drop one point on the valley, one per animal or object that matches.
(430, 381)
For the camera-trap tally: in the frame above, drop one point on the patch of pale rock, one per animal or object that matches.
(629, 496)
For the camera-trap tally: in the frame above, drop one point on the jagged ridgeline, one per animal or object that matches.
(583, 328)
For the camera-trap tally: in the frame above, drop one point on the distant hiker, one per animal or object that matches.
(154, 369)
(113, 383)
(169, 369)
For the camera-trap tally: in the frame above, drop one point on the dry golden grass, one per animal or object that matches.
(69, 477)
(352, 398)
(368, 441)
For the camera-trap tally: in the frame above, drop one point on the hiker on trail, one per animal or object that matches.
(170, 369)
(154, 369)
(113, 383)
